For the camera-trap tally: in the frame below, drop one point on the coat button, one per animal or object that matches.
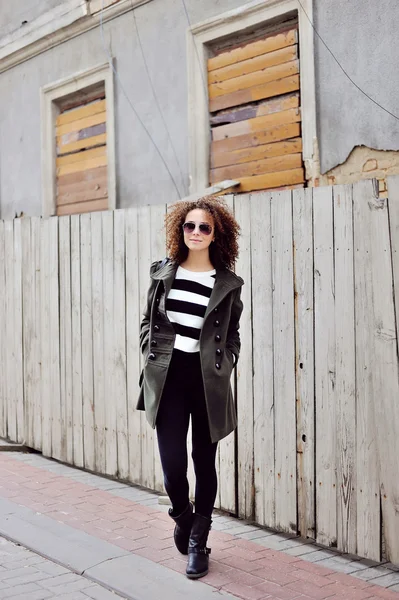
(217, 338)
(156, 327)
(216, 310)
(157, 300)
(218, 352)
(216, 323)
(152, 356)
(154, 343)
(217, 366)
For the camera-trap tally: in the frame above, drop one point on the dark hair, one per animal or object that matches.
(223, 252)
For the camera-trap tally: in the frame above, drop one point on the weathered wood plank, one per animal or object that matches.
(252, 154)
(82, 156)
(293, 115)
(71, 116)
(83, 207)
(85, 143)
(245, 406)
(284, 363)
(17, 333)
(81, 124)
(65, 340)
(156, 215)
(262, 313)
(45, 331)
(54, 334)
(3, 336)
(385, 368)
(304, 360)
(252, 49)
(86, 275)
(251, 65)
(345, 379)
(119, 323)
(133, 319)
(260, 167)
(325, 367)
(271, 180)
(110, 407)
(76, 324)
(226, 458)
(98, 341)
(242, 113)
(28, 329)
(258, 92)
(368, 484)
(251, 80)
(36, 388)
(275, 134)
(147, 433)
(92, 190)
(83, 165)
(73, 181)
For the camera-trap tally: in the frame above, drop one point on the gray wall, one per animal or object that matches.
(363, 36)
(141, 174)
(14, 12)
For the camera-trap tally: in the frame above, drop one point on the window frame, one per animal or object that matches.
(199, 36)
(49, 95)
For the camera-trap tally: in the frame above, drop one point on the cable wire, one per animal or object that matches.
(342, 68)
(110, 61)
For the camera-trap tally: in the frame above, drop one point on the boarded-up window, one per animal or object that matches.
(82, 153)
(254, 104)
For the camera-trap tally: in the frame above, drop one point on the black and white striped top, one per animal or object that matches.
(186, 305)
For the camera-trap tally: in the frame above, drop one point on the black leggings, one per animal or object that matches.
(183, 396)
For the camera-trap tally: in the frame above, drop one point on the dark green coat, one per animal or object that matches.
(219, 340)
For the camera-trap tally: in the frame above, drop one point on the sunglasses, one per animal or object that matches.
(204, 228)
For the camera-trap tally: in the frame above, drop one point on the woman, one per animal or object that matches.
(190, 341)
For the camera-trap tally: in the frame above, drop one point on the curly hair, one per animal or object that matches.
(223, 252)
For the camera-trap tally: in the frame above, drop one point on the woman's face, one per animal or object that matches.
(197, 238)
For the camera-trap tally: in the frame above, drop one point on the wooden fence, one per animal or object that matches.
(317, 390)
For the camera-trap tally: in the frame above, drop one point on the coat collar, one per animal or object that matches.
(225, 282)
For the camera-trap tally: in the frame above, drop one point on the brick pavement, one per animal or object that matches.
(246, 561)
(26, 576)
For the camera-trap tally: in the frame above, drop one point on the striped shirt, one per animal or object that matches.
(186, 306)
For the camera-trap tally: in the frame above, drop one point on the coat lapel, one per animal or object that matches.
(224, 283)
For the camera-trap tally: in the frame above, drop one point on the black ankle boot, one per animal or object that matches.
(182, 531)
(198, 553)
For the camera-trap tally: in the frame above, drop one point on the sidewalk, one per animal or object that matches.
(120, 537)
(25, 575)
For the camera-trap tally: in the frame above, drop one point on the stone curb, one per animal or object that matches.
(126, 574)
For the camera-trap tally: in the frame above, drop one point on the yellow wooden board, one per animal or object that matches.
(259, 167)
(264, 61)
(82, 156)
(83, 207)
(92, 142)
(271, 180)
(81, 113)
(257, 124)
(266, 90)
(81, 124)
(254, 79)
(93, 163)
(255, 153)
(274, 134)
(253, 49)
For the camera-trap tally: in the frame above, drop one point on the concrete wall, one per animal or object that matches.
(363, 36)
(141, 174)
(13, 13)
(360, 32)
